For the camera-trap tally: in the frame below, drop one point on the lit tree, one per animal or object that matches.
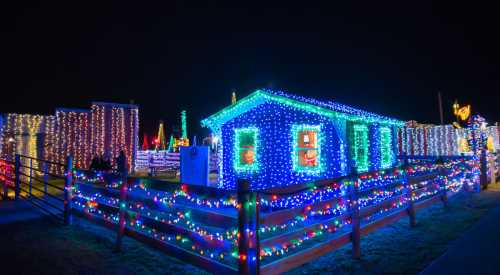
(171, 143)
(145, 142)
(161, 144)
(184, 124)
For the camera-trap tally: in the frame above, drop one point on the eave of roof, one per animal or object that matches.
(117, 105)
(322, 108)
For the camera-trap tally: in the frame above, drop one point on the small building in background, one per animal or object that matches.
(26, 134)
(417, 139)
(114, 127)
(103, 130)
(71, 137)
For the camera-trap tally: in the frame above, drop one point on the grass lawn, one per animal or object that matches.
(399, 249)
(43, 247)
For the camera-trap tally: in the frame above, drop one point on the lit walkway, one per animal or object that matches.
(476, 252)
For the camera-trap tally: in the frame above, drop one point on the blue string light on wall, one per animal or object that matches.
(277, 139)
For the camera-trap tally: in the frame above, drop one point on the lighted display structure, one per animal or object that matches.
(443, 140)
(114, 127)
(26, 134)
(71, 136)
(277, 139)
(104, 130)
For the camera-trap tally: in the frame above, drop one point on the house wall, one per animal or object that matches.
(374, 145)
(274, 149)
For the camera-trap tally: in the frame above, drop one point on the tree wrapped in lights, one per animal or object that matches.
(171, 143)
(184, 140)
(145, 142)
(160, 142)
(184, 124)
(477, 137)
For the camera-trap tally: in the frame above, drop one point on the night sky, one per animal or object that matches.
(389, 60)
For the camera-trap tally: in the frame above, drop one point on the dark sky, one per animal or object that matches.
(386, 59)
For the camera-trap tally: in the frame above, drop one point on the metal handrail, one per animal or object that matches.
(49, 184)
(43, 160)
(32, 168)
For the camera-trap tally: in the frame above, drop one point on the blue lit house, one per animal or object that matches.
(277, 139)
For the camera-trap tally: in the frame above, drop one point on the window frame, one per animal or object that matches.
(365, 165)
(238, 166)
(296, 167)
(385, 147)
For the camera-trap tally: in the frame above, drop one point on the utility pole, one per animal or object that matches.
(440, 102)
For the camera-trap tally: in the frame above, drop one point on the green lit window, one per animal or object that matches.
(245, 149)
(360, 150)
(385, 147)
(306, 148)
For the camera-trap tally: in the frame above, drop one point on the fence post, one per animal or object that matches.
(354, 209)
(483, 178)
(122, 222)
(444, 188)
(355, 219)
(17, 168)
(248, 229)
(492, 161)
(409, 193)
(68, 191)
(45, 177)
(31, 176)
(5, 182)
(497, 162)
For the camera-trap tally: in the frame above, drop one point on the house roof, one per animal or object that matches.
(117, 105)
(326, 108)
